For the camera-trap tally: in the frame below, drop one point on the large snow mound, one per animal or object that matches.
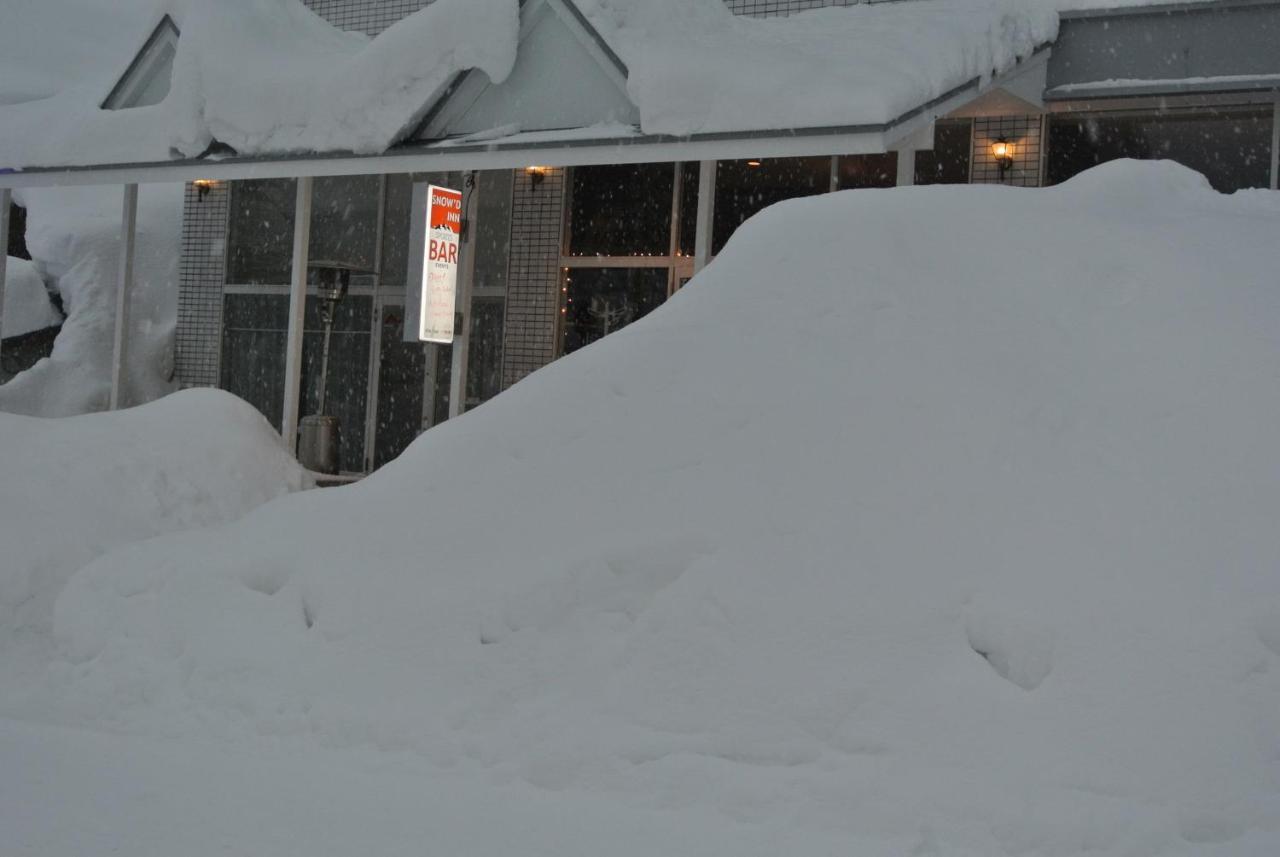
(935, 520)
(73, 488)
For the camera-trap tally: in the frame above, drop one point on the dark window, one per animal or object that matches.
(395, 230)
(344, 220)
(599, 301)
(260, 233)
(621, 210)
(484, 354)
(864, 171)
(17, 238)
(948, 161)
(688, 208)
(493, 229)
(1231, 147)
(401, 373)
(745, 187)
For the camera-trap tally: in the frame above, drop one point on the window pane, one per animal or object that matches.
(601, 300)
(347, 389)
(689, 208)
(745, 187)
(1231, 147)
(622, 210)
(493, 229)
(395, 231)
(948, 161)
(254, 333)
(484, 362)
(260, 232)
(344, 220)
(862, 171)
(400, 388)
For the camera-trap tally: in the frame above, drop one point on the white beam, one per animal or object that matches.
(906, 167)
(705, 216)
(1275, 146)
(6, 199)
(124, 294)
(297, 309)
(487, 156)
(462, 307)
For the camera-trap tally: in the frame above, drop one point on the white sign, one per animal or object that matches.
(440, 264)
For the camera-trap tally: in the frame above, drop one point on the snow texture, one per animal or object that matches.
(269, 76)
(923, 521)
(74, 238)
(71, 489)
(27, 306)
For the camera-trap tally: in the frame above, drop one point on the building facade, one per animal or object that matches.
(561, 255)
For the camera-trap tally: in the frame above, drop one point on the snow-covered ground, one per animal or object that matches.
(71, 489)
(27, 306)
(924, 521)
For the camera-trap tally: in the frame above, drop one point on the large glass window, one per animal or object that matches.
(865, 171)
(599, 301)
(401, 369)
(344, 220)
(1232, 147)
(484, 354)
(948, 161)
(621, 210)
(260, 232)
(745, 187)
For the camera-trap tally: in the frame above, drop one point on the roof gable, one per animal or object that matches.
(146, 81)
(565, 76)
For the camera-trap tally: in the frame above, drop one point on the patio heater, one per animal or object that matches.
(319, 435)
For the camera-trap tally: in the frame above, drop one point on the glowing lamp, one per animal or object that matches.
(203, 186)
(536, 175)
(1002, 152)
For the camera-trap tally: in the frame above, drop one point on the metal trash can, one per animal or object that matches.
(319, 443)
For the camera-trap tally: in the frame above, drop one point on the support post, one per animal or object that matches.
(1275, 146)
(124, 292)
(6, 199)
(297, 310)
(462, 309)
(706, 214)
(906, 167)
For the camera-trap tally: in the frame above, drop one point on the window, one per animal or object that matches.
(147, 79)
(865, 171)
(745, 187)
(948, 161)
(344, 220)
(599, 301)
(622, 210)
(1232, 147)
(260, 232)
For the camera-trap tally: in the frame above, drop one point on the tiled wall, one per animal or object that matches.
(1024, 132)
(533, 286)
(200, 276)
(365, 16)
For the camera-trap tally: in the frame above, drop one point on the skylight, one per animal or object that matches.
(147, 79)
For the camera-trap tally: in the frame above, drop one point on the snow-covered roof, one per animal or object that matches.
(269, 78)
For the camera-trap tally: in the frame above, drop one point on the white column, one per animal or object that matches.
(462, 310)
(124, 292)
(297, 308)
(906, 167)
(6, 198)
(706, 214)
(1275, 146)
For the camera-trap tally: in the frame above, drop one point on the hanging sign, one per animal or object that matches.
(440, 264)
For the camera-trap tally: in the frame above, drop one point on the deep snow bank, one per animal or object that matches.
(940, 519)
(74, 238)
(73, 488)
(26, 301)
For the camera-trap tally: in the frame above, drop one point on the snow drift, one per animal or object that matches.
(929, 520)
(73, 488)
(74, 238)
(27, 307)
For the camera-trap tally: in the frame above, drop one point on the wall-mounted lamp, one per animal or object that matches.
(536, 175)
(754, 162)
(203, 186)
(1002, 151)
